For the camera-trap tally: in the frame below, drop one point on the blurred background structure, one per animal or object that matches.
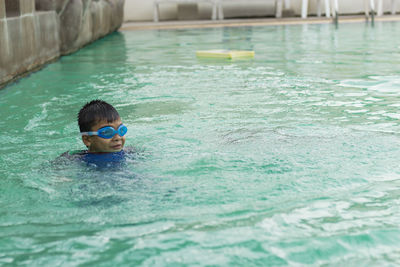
(139, 10)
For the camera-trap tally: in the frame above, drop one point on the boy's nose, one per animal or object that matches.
(116, 137)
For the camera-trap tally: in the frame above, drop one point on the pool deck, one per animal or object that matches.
(192, 24)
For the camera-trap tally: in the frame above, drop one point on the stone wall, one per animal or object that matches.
(27, 39)
(33, 33)
(83, 21)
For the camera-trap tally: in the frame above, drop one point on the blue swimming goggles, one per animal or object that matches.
(108, 132)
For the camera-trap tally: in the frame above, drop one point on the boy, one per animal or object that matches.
(101, 127)
(103, 134)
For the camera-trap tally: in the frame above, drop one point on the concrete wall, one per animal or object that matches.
(139, 10)
(27, 40)
(84, 21)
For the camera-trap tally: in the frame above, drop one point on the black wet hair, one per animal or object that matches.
(94, 112)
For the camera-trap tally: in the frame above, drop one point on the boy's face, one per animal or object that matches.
(97, 144)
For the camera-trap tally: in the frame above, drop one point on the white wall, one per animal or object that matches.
(142, 10)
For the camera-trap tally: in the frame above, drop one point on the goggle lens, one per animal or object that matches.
(109, 132)
(122, 130)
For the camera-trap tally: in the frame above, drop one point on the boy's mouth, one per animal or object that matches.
(115, 147)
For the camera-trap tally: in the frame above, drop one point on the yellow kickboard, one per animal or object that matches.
(229, 54)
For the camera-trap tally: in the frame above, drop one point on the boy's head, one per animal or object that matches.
(101, 127)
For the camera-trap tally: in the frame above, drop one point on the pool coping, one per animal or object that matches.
(195, 24)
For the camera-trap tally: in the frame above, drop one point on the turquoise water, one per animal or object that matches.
(287, 159)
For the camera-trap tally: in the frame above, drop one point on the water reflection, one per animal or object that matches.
(237, 38)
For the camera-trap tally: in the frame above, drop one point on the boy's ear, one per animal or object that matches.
(86, 140)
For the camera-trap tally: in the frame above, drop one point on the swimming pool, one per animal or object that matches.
(287, 159)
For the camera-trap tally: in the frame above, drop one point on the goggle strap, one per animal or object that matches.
(89, 133)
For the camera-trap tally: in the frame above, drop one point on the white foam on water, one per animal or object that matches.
(382, 84)
(393, 115)
(373, 99)
(386, 177)
(37, 119)
(357, 111)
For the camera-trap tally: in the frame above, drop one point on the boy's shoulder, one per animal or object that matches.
(86, 156)
(101, 160)
(73, 154)
(129, 150)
